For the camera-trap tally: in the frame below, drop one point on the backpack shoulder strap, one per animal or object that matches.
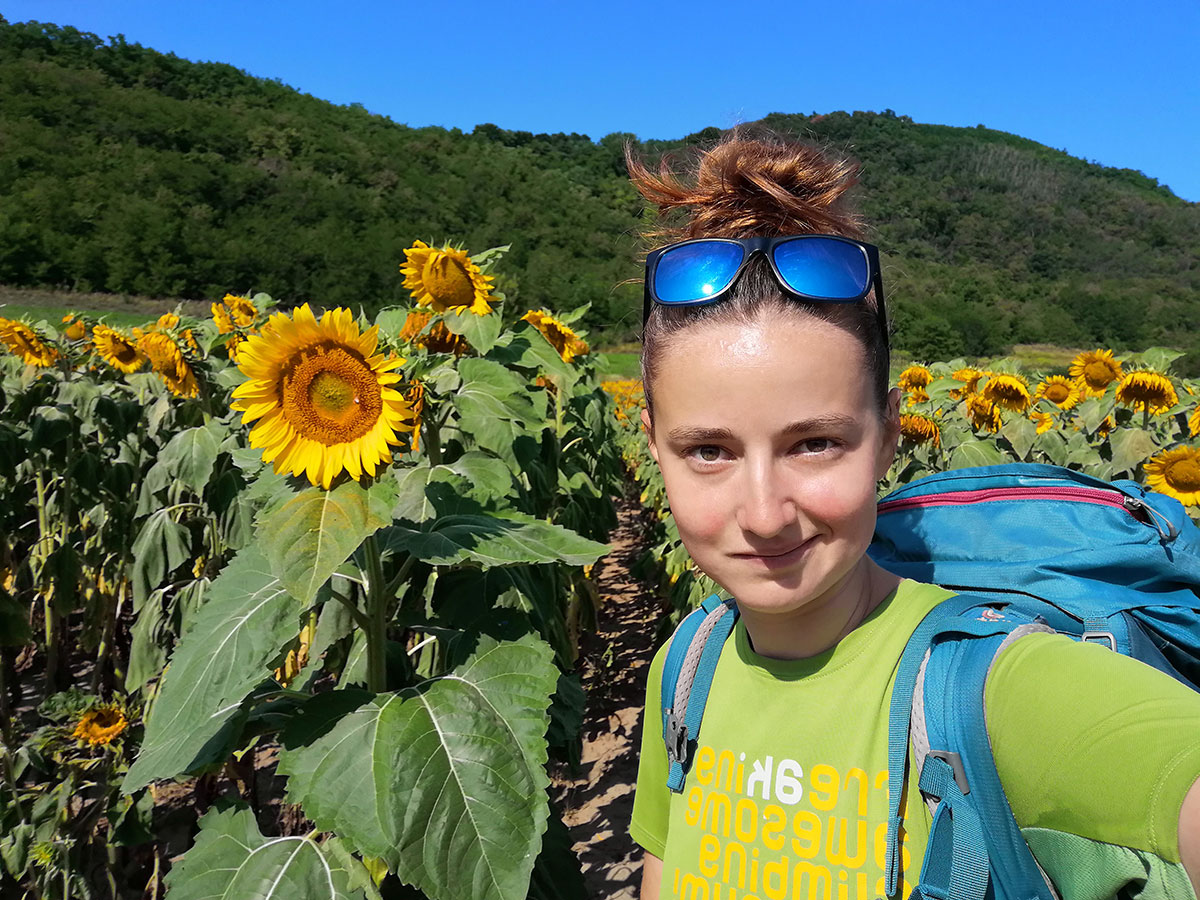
(974, 837)
(687, 677)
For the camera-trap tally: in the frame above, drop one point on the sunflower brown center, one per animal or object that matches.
(448, 282)
(126, 354)
(107, 718)
(1184, 475)
(1098, 373)
(1057, 393)
(330, 395)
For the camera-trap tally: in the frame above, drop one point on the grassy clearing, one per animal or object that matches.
(620, 364)
(118, 309)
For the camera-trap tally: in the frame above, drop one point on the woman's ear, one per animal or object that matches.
(891, 433)
(648, 427)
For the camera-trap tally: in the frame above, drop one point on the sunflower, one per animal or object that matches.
(190, 340)
(1106, 426)
(918, 395)
(969, 377)
(415, 395)
(1007, 391)
(116, 349)
(1062, 392)
(323, 397)
(1148, 391)
(221, 318)
(231, 346)
(1176, 473)
(76, 329)
(241, 310)
(446, 279)
(559, 334)
(1095, 370)
(1194, 422)
(100, 725)
(168, 361)
(1043, 420)
(439, 338)
(26, 343)
(983, 413)
(915, 377)
(920, 429)
(166, 322)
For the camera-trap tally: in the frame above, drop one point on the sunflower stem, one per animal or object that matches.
(377, 619)
(1146, 417)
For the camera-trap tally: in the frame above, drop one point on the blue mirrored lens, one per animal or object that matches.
(695, 271)
(823, 268)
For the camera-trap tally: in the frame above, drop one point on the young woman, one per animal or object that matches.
(771, 419)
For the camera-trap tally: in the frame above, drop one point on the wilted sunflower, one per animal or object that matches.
(1062, 392)
(1176, 473)
(116, 349)
(1096, 370)
(920, 429)
(100, 724)
(983, 413)
(241, 310)
(166, 322)
(1147, 390)
(26, 343)
(1043, 420)
(559, 334)
(76, 329)
(439, 338)
(221, 318)
(168, 361)
(446, 279)
(915, 377)
(323, 397)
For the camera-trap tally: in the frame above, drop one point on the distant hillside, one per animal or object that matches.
(124, 169)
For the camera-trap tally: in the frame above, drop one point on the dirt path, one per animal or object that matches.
(614, 662)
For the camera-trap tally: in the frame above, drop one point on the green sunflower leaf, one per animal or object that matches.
(445, 781)
(1020, 433)
(231, 858)
(481, 332)
(246, 617)
(494, 540)
(191, 454)
(309, 536)
(977, 453)
(1131, 446)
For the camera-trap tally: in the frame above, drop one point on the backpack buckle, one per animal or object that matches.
(1095, 637)
(675, 737)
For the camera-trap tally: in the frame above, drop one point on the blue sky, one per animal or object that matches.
(1111, 82)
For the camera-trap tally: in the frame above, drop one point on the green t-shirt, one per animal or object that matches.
(787, 794)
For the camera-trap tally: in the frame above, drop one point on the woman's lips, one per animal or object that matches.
(777, 559)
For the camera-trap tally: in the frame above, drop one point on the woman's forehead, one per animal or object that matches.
(774, 369)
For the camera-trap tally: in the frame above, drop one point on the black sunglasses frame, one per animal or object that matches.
(766, 246)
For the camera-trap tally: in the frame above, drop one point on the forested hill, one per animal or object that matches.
(123, 169)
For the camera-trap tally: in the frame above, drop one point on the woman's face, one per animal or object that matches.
(770, 445)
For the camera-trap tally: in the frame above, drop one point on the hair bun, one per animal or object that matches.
(752, 186)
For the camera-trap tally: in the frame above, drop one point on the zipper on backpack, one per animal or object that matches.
(1135, 506)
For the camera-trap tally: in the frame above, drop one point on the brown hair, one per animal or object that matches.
(747, 186)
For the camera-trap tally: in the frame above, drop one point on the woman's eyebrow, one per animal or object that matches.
(686, 434)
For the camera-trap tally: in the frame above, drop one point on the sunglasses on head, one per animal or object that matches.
(820, 267)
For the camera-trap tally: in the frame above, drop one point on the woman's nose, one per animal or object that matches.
(766, 508)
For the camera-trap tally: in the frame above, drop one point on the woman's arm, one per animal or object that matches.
(652, 871)
(1189, 836)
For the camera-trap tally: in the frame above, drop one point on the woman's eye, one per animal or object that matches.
(707, 453)
(815, 445)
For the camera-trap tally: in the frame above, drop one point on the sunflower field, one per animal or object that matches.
(1110, 416)
(355, 553)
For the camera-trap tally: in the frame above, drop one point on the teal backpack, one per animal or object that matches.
(1027, 548)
